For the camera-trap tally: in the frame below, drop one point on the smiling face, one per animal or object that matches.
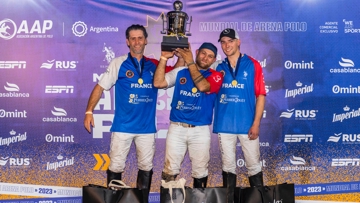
(136, 42)
(204, 58)
(230, 46)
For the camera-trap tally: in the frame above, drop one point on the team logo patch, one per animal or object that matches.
(182, 81)
(222, 72)
(129, 74)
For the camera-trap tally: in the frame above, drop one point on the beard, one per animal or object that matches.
(201, 64)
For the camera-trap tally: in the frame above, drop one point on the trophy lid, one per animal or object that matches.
(178, 5)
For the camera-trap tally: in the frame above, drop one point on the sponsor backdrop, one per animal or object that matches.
(54, 52)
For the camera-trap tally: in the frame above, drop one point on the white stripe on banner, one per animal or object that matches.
(39, 190)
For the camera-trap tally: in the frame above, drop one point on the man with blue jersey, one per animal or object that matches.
(238, 111)
(191, 111)
(132, 76)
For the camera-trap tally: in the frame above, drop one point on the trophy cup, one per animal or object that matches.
(176, 31)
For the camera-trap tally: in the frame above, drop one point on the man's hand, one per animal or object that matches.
(89, 122)
(167, 54)
(186, 54)
(253, 133)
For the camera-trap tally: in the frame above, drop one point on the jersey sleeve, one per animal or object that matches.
(170, 77)
(215, 80)
(167, 68)
(259, 80)
(110, 76)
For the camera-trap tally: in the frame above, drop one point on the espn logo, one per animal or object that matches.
(298, 138)
(59, 89)
(345, 162)
(102, 162)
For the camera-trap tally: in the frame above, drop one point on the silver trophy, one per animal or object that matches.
(175, 26)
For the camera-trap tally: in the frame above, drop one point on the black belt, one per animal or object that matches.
(185, 125)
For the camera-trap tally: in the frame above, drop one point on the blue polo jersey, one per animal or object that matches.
(135, 95)
(235, 104)
(189, 105)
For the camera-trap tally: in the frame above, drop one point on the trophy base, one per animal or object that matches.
(170, 43)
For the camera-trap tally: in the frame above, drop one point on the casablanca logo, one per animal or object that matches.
(109, 54)
(11, 87)
(297, 164)
(334, 138)
(4, 160)
(58, 112)
(6, 26)
(346, 63)
(13, 91)
(60, 116)
(297, 161)
(79, 29)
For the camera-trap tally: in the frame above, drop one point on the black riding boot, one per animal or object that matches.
(200, 182)
(168, 177)
(229, 182)
(143, 183)
(256, 180)
(112, 176)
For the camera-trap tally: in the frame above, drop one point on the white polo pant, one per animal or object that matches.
(180, 139)
(250, 148)
(120, 146)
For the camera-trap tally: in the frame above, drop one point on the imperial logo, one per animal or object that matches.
(60, 116)
(300, 90)
(13, 91)
(61, 163)
(348, 114)
(298, 164)
(345, 138)
(300, 114)
(60, 65)
(13, 138)
(58, 89)
(36, 29)
(12, 64)
(346, 162)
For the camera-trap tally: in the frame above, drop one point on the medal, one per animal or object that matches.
(194, 90)
(234, 71)
(140, 81)
(234, 83)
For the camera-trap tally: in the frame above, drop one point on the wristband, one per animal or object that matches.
(163, 58)
(191, 63)
(89, 112)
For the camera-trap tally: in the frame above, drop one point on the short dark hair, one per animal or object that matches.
(135, 27)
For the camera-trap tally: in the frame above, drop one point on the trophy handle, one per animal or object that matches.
(163, 17)
(187, 33)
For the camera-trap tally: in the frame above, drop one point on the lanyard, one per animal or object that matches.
(237, 67)
(140, 80)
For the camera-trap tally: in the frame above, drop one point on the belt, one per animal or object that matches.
(185, 125)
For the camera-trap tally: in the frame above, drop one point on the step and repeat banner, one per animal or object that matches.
(54, 52)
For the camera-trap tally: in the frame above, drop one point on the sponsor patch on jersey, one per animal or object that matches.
(129, 74)
(222, 72)
(182, 81)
